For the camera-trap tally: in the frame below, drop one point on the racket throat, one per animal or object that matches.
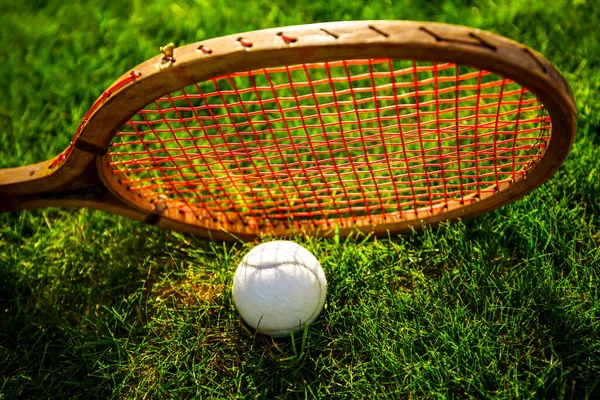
(83, 190)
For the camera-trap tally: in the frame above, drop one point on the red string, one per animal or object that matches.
(497, 123)
(457, 128)
(514, 169)
(379, 125)
(247, 207)
(362, 142)
(401, 134)
(323, 133)
(303, 199)
(419, 129)
(476, 138)
(437, 119)
(341, 142)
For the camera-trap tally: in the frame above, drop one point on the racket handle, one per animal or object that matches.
(95, 196)
(41, 185)
(62, 198)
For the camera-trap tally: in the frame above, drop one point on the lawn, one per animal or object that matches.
(97, 306)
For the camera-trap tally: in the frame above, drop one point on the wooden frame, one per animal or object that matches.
(81, 180)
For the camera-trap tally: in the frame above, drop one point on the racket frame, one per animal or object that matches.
(81, 177)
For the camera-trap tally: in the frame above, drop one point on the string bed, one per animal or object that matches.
(330, 143)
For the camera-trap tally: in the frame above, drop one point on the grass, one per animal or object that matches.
(93, 305)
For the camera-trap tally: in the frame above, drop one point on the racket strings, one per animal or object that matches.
(339, 142)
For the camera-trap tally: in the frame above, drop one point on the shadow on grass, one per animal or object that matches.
(67, 301)
(148, 317)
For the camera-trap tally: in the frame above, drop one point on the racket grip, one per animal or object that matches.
(10, 202)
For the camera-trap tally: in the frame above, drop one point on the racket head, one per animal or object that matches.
(424, 45)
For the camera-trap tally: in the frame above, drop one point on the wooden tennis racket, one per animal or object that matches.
(371, 125)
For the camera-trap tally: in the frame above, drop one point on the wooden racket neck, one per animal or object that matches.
(37, 185)
(73, 183)
(40, 185)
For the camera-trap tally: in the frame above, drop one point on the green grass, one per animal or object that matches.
(93, 305)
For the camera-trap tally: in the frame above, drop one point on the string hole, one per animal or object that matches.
(288, 39)
(205, 49)
(244, 42)
(375, 29)
(330, 33)
(483, 42)
(436, 37)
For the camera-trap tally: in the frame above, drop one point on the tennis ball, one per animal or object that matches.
(279, 287)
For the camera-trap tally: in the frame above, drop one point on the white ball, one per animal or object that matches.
(279, 287)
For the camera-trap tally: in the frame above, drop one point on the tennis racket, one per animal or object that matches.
(377, 126)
